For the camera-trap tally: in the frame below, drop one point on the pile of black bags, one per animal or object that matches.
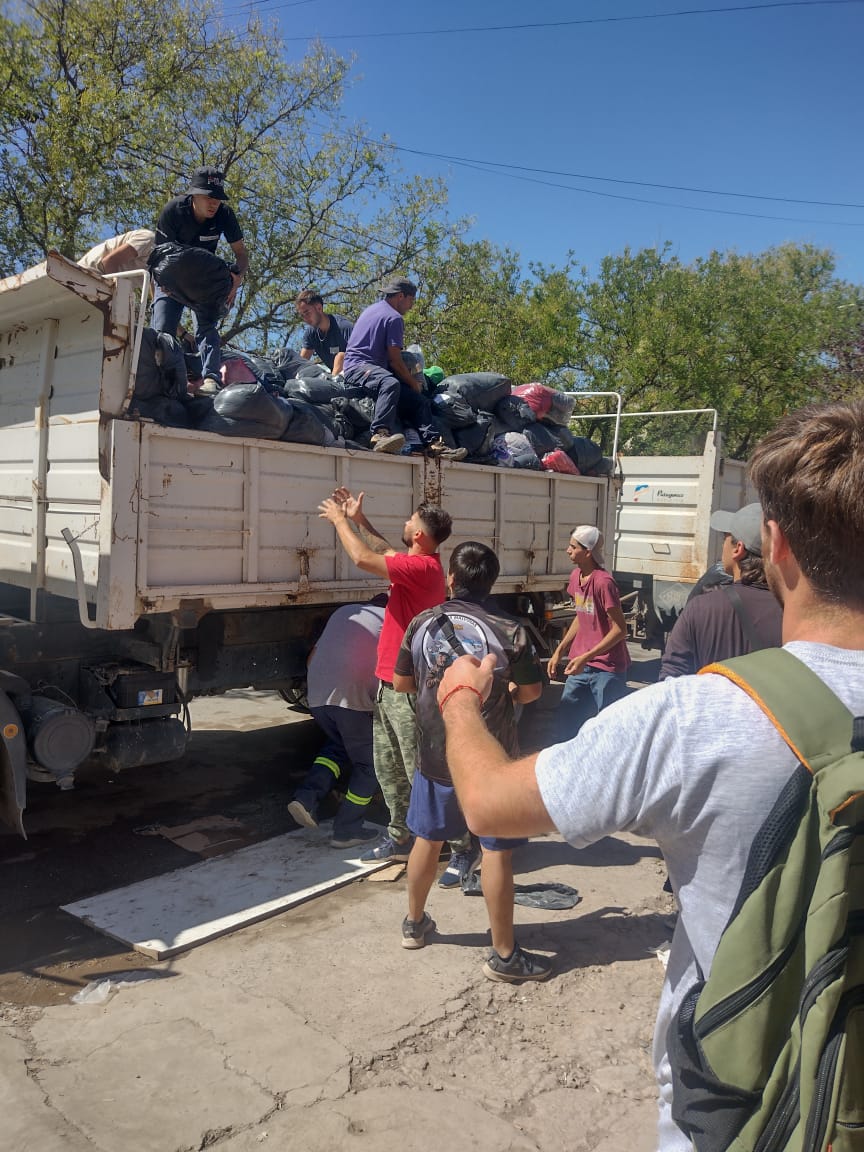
(288, 398)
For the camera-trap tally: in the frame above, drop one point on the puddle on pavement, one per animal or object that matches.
(46, 956)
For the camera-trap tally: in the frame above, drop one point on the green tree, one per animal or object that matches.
(748, 335)
(106, 105)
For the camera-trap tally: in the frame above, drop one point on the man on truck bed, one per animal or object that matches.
(416, 582)
(373, 361)
(197, 220)
(325, 334)
(731, 619)
(694, 762)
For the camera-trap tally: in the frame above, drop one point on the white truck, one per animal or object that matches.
(141, 565)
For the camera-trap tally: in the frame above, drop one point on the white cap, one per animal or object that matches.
(592, 539)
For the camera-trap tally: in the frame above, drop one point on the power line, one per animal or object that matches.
(478, 167)
(584, 21)
(618, 180)
(660, 203)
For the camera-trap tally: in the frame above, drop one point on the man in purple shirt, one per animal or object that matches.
(373, 362)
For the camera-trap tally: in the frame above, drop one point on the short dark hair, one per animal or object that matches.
(437, 523)
(474, 569)
(308, 296)
(807, 471)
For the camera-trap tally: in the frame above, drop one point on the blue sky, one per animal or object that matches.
(761, 102)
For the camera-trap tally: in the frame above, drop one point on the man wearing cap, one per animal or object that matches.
(127, 252)
(596, 641)
(731, 619)
(373, 362)
(197, 219)
(325, 334)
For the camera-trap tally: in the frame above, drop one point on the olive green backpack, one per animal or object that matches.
(768, 1052)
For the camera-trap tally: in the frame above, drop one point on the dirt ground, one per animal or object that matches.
(315, 1030)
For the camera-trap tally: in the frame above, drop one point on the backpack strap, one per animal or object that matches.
(751, 632)
(446, 625)
(812, 720)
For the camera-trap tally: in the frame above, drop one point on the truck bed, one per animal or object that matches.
(172, 520)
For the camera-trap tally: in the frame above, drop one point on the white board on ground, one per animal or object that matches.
(187, 907)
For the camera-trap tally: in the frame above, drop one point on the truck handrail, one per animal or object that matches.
(668, 412)
(616, 415)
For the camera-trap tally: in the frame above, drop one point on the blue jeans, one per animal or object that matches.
(167, 313)
(393, 398)
(587, 694)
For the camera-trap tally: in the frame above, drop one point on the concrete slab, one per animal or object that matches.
(182, 1055)
(182, 909)
(386, 1118)
(30, 1123)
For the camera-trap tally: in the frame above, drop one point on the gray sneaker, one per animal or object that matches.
(354, 839)
(210, 386)
(520, 966)
(383, 441)
(414, 932)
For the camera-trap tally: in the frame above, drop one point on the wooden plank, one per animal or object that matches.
(188, 907)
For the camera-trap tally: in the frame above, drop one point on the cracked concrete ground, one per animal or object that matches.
(316, 1031)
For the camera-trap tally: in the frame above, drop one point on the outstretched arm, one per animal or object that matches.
(358, 551)
(499, 796)
(370, 536)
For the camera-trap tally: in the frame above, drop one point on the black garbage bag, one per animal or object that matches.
(199, 408)
(513, 414)
(444, 432)
(482, 390)
(562, 434)
(542, 438)
(161, 367)
(315, 390)
(339, 422)
(522, 452)
(478, 438)
(605, 466)
(194, 276)
(160, 381)
(360, 409)
(306, 425)
(194, 366)
(311, 370)
(584, 453)
(288, 362)
(452, 410)
(263, 369)
(248, 410)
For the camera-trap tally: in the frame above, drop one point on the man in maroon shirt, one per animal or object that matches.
(595, 644)
(416, 583)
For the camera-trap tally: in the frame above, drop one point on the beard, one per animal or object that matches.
(406, 540)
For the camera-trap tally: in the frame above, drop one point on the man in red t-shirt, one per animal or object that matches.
(416, 583)
(596, 641)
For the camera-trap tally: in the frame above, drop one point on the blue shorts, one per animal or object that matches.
(434, 814)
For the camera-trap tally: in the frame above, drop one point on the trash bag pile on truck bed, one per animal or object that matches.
(287, 398)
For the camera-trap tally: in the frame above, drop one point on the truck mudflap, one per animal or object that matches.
(13, 753)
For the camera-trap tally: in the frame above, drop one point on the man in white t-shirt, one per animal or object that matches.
(693, 762)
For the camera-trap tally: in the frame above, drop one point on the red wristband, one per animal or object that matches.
(459, 688)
